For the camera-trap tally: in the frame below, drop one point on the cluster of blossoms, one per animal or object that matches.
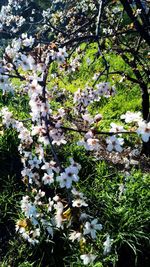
(83, 98)
(90, 142)
(5, 84)
(14, 59)
(58, 13)
(74, 64)
(114, 142)
(49, 216)
(46, 214)
(9, 18)
(59, 55)
(39, 173)
(143, 129)
(69, 175)
(86, 5)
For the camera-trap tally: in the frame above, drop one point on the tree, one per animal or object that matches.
(51, 43)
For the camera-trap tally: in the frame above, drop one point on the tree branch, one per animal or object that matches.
(141, 30)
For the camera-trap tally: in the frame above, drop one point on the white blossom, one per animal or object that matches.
(27, 62)
(131, 116)
(88, 258)
(79, 203)
(116, 128)
(34, 163)
(91, 228)
(74, 235)
(48, 178)
(144, 130)
(107, 245)
(27, 42)
(114, 143)
(28, 208)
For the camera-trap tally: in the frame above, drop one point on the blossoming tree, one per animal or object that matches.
(46, 46)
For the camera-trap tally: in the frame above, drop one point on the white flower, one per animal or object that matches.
(4, 84)
(34, 163)
(27, 172)
(27, 62)
(38, 130)
(79, 200)
(77, 193)
(137, 12)
(35, 89)
(19, 126)
(64, 181)
(103, 89)
(48, 166)
(91, 228)
(131, 116)
(45, 109)
(114, 143)
(44, 140)
(56, 198)
(41, 193)
(74, 64)
(24, 135)
(50, 204)
(88, 135)
(74, 235)
(116, 128)
(68, 176)
(87, 118)
(61, 54)
(88, 61)
(93, 144)
(35, 108)
(72, 171)
(57, 136)
(144, 130)
(33, 235)
(28, 208)
(96, 75)
(48, 178)
(39, 150)
(59, 211)
(107, 245)
(88, 258)
(7, 117)
(79, 203)
(75, 164)
(27, 41)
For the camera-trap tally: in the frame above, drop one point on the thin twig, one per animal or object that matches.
(96, 132)
(86, 131)
(46, 120)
